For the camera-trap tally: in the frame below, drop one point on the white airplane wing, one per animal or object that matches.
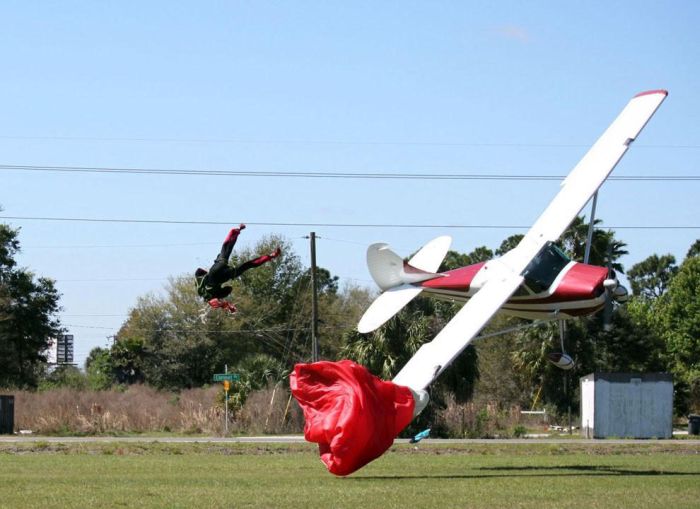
(590, 173)
(432, 358)
(504, 274)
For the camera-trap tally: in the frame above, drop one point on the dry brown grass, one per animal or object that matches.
(272, 410)
(142, 409)
(470, 420)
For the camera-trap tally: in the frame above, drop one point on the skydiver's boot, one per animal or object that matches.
(234, 233)
(229, 242)
(257, 262)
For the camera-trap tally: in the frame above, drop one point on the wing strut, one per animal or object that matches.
(591, 227)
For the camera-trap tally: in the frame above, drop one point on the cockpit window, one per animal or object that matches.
(544, 268)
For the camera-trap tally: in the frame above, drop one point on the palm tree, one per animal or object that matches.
(385, 351)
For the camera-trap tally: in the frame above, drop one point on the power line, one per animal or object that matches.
(99, 246)
(95, 315)
(207, 331)
(112, 246)
(331, 225)
(333, 175)
(163, 279)
(111, 280)
(322, 142)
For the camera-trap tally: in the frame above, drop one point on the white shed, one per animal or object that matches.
(627, 405)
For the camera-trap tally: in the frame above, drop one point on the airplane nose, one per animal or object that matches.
(610, 283)
(618, 292)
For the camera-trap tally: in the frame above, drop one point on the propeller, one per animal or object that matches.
(614, 292)
(610, 284)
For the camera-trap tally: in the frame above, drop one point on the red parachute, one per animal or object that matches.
(352, 415)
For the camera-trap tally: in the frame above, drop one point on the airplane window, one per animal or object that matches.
(544, 268)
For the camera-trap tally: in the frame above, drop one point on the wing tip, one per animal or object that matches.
(651, 92)
(364, 327)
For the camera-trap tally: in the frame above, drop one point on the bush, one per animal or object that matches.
(519, 431)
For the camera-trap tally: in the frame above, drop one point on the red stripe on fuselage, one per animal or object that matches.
(581, 282)
(457, 280)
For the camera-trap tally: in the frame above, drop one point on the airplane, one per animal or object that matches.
(554, 286)
(533, 280)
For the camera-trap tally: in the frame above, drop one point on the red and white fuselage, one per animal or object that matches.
(551, 286)
(577, 290)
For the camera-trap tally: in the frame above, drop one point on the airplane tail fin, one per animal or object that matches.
(397, 278)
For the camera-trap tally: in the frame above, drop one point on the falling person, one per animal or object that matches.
(210, 284)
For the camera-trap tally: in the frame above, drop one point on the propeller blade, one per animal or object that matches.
(608, 310)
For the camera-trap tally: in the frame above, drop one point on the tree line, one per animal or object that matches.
(172, 341)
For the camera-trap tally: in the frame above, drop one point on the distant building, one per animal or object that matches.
(627, 405)
(60, 350)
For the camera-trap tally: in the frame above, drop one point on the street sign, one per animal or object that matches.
(231, 377)
(227, 385)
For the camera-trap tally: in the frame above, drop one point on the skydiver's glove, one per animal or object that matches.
(216, 303)
(223, 304)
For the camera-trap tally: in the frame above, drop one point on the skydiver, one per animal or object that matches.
(210, 283)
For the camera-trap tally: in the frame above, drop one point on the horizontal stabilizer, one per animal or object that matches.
(430, 256)
(387, 305)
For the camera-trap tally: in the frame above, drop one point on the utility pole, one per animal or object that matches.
(314, 301)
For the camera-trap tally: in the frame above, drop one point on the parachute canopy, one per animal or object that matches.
(351, 414)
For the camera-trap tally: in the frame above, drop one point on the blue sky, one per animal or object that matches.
(516, 88)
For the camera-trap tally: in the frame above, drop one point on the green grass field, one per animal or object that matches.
(654, 475)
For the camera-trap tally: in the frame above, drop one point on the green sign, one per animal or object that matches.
(231, 377)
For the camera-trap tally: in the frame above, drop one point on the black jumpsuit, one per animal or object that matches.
(209, 284)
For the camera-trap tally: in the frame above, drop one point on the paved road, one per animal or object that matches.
(288, 439)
